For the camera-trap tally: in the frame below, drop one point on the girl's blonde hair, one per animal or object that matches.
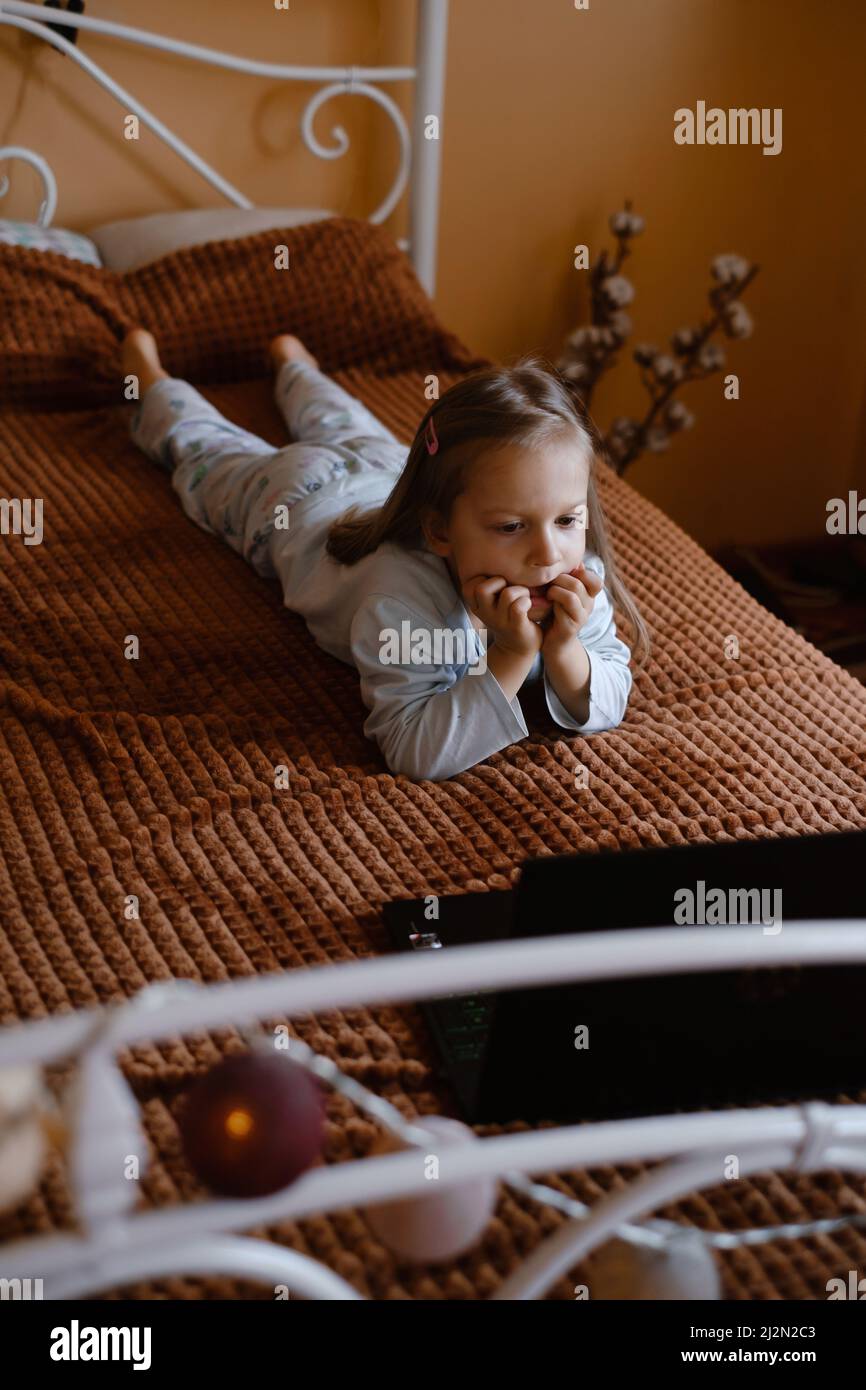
(527, 404)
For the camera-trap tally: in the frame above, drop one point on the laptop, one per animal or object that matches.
(656, 1044)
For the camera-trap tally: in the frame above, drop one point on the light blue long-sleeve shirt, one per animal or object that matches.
(437, 718)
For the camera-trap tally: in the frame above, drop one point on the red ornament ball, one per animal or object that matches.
(252, 1124)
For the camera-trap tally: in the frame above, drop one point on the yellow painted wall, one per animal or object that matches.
(552, 117)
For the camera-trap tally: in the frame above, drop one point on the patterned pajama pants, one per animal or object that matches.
(230, 481)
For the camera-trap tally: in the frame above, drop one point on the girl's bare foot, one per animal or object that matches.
(286, 348)
(140, 357)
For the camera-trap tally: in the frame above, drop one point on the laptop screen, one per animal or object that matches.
(651, 1044)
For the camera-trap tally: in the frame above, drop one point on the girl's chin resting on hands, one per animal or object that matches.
(540, 602)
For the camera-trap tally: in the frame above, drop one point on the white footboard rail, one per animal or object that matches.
(115, 1245)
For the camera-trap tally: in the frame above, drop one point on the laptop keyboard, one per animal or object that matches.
(465, 1024)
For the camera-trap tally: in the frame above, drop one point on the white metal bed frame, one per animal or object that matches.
(115, 1246)
(420, 154)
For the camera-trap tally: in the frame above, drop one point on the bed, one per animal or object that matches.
(155, 777)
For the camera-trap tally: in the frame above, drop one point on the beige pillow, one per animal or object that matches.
(136, 241)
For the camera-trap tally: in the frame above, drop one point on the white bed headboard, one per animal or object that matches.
(419, 152)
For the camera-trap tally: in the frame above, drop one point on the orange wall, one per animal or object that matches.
(552, 117)
(247, 127)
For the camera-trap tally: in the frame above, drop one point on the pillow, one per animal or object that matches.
(56, 239)
(351, 295)
(136, 241)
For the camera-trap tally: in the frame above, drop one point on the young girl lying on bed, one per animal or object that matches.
(485, 540)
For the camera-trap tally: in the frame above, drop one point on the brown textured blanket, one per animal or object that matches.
(155, 776)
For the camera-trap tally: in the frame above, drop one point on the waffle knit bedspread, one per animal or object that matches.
(155, 776)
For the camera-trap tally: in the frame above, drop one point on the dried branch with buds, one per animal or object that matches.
(590, 352)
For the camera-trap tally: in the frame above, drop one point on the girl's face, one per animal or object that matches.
(522, 516)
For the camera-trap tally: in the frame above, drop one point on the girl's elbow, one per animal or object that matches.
(418, 772)
(404, 760)
(425, 764)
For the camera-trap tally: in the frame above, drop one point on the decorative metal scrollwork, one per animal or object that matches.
(341, 139)
(49, 183)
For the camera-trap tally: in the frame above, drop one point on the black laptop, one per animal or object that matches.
(658, 1043)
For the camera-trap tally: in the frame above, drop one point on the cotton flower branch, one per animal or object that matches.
(591, 351)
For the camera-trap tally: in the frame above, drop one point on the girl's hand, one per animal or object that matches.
(573, 596)
(503, 608)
